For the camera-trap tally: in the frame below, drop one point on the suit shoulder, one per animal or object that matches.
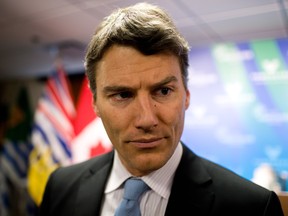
(75, 171)
(235, 191)
(222, 179)
(226, 178)
(62, 188)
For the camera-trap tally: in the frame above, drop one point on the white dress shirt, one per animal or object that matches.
(154, 201)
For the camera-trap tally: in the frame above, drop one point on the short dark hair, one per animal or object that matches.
(142, 26)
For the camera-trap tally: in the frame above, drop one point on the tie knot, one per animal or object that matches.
(134, 188)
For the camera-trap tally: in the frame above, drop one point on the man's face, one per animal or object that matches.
(141, 101)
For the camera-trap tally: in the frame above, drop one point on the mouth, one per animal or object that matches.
(146, 143)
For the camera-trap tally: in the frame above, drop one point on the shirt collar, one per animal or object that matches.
(159, 181)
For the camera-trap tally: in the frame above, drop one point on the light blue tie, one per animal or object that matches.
(133, 190)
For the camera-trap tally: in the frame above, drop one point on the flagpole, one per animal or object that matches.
(55, 53)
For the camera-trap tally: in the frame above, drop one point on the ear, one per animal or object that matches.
(187, 100)
(96, 110)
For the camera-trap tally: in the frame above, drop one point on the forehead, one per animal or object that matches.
(122, 63)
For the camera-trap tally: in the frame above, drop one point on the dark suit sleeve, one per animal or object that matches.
(44, 207)
(60, 192)
(68, 191)
(273, 207)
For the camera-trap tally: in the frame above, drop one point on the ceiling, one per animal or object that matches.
(33, 32)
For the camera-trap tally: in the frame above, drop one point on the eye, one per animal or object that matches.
(122, 95)
(163, 91)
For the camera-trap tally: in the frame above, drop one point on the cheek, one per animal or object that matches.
(173, 116)
(114, 123)
(110, 119)
(179, 116)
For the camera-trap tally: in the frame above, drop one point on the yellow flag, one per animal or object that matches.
(41, 166)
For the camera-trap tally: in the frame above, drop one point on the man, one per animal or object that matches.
(137, 64)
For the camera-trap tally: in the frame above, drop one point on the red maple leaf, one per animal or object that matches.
(97, 149)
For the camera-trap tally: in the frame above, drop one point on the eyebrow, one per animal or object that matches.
(111, 89)
(165, 81)
(122, 88)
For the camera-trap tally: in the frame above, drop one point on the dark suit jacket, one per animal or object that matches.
(200, 188)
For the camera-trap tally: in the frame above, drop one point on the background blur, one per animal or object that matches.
(31, 29)
(238, 78)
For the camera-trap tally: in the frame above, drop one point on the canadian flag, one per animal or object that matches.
(91, 138)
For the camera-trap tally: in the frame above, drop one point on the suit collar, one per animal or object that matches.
(92, 185)
(190, 191)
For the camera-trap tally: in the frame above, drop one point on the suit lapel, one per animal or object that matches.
(190, 191)
(92, 185)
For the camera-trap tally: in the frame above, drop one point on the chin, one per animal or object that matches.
(149, 163)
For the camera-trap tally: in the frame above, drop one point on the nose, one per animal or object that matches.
(146, 113)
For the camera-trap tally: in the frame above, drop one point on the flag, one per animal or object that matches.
(52, 133)
(14, 159)
(90, 136)
(4, 195)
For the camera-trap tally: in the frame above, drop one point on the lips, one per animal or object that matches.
(146, 143)
(146, 140)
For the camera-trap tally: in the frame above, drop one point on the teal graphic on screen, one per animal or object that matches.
(238, 114)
